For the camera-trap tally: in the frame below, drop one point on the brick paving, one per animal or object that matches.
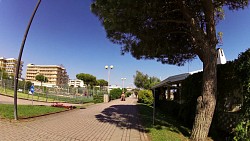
(113, 121)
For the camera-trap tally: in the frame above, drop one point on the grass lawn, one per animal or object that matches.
(165, 128)
(25, 111)
(42, 97)
(9, 92)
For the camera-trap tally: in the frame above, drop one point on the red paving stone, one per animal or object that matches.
(113, 121)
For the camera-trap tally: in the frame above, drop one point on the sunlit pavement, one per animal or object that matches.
(113, 121)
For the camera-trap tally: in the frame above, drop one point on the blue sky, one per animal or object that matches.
(66, 32)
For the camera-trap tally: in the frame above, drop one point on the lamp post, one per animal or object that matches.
(106, 96)
(109, 68)
(123, 79)
(19, 59)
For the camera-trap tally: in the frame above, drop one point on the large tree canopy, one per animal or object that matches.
(173, 32)
(87, 78)
(102, 82)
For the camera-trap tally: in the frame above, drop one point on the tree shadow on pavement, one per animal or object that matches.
(123, 116)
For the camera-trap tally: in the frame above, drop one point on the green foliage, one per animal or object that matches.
(102, 82)
(3, 74)
(140, 79)
(98, 98)
(128, 94)
(144, 81)
(145, 96)
(242, 70)
(115, 93)
(88, 79)
(24, 85)
(227, 83)
(172, 32)
(242, 132)
(28, 85)
(41, 78)
(161, 30)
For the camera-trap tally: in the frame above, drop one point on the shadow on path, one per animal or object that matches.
(123, 116)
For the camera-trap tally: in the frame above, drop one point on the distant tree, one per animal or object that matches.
(41, 78)
(3, 74)
(88, 79)
(102, 82)
(140, 80)
(144, 81)
(153, 81)
(172, 32)
(28, 85)
(21, 84)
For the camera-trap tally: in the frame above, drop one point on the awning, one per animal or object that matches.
(174, 78)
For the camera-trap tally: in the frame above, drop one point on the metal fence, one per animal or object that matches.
(48, 94)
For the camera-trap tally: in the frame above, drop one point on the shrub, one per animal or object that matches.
(128, 94)
(115, 93)
(242, 70)
(98, 98)
(145, 96)
(242, 131)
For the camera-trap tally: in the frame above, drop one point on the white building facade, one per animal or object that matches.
(76, 83)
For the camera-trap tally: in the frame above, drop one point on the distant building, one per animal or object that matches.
(76, 83)
(57, 75)
(9, 65)
(111, 87)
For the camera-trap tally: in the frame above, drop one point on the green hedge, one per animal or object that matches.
(115, 93)
(242, 131)
(98, 98)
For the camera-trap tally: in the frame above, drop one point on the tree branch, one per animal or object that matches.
(172, 21)
(199, 37)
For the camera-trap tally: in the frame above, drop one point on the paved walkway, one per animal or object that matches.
(113, 121)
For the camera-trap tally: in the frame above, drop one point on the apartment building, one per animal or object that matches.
(57, 75)
(9, 65)
(76, 83)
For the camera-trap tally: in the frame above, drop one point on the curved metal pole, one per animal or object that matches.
(19, 60)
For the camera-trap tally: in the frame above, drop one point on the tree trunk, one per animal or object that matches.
(206, 103)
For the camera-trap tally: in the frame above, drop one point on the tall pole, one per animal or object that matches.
(109, 68)
(123, 79)
(108, 79)
(19, 59)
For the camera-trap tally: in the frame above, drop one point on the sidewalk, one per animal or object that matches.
(113, 121)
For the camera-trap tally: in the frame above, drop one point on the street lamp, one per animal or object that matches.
(20, 57)
(123, 79)
(109, 68)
